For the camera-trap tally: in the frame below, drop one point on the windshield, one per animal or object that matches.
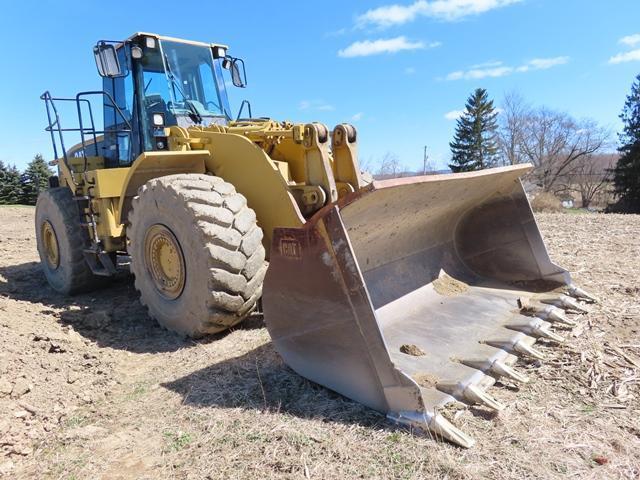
(184, 80)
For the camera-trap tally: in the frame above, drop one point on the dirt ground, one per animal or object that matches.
(91, 388)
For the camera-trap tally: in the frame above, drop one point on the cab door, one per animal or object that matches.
(121, 143)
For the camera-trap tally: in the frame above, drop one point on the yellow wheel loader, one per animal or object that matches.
(404, 294)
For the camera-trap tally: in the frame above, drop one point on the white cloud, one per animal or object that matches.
(486, 65)
(409, 71)
(315, 105)
(479, 73)
(375, 47)
(542, 63)
(497, 69)
(447, 10)
(630, 40)
(453, 114)
(357, 116)
(630, 56)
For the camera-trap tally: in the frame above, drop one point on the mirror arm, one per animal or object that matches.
(233, 63)
(244, 71)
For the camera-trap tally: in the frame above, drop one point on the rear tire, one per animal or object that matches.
(196, 253)
(61, 241)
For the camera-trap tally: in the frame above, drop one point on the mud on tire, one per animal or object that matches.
(72, 273)
(221, 248)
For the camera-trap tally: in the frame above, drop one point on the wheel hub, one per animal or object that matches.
(50, 244)
(164, 261)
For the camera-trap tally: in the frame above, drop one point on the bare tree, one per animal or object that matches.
(555, 142)
(367, 164)
(390, 167)
(512, 127)
(591, 176)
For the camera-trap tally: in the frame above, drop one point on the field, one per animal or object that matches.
(92, 388)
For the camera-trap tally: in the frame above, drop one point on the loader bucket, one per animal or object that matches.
(417, 292)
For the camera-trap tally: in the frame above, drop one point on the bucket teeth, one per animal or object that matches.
(578, 292)
(436, 424)
(470, 394)
(442, 427)
(525, 349)
(496, 369)
(535, 330)
(518, 347)
(566, 302)
(555, 314)
(546, 333)
(569, 302)
(474, 394)
(502, 370)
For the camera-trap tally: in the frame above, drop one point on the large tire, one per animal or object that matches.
(58, 228)
(196, 253)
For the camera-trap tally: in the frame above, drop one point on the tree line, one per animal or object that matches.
(22, 188)
(568, 155)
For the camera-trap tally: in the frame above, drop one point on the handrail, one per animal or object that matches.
(113, 105)
(55, 124)
(48, 100)
(248, 104)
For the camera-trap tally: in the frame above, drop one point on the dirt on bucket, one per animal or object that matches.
(410, 349)
(449, 286)
(426, 380)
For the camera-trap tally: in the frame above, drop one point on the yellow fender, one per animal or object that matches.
(157, 164)
(235, 159)
(242, 163)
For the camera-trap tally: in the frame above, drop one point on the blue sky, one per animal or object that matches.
(398, 71)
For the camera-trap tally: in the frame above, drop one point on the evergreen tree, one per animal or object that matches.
(9, 184)
(35, 179)
(626, 175)
(475, 144)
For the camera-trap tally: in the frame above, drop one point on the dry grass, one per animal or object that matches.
(546, 202)
(152, 405)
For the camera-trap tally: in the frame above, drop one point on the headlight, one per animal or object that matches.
(150, 42)
(219, 52)
(158, 120)
(136, 52)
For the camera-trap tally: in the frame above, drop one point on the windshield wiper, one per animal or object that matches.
(195, 115)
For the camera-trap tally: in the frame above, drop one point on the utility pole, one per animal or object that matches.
(425, 158)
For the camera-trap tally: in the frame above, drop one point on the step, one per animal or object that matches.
(99, 262)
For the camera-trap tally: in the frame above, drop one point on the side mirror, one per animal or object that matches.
(107, 60)
(238, 73)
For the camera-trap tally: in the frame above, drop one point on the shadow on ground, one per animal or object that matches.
(111, 316)
(260, 380)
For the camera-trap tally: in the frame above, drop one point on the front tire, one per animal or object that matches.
(61, 241)
(196, 253)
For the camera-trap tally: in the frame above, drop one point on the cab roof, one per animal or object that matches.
(172, 39)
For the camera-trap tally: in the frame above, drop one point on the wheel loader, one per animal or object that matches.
(403, 294)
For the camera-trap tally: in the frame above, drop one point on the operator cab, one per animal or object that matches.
(157, 82)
